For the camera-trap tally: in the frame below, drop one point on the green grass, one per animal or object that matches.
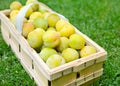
(98, 19)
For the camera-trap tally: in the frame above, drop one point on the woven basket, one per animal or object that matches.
(82, 71)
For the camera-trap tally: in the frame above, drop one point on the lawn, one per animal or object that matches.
(98, 19)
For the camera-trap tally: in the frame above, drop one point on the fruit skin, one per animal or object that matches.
(76, 41)
(41, 31)
(60, 24)
(15, 5)
(29, 12)
(45, 53)
(40, 23)
(13, 15)
(63, 44)
(87, 50)
(42, 9)
(55, 61)
(27, 28)
(52, 19)
(67, 30)
(35, 15)
(35, 38)
(51, 38)
(35, 7)
(70, 54)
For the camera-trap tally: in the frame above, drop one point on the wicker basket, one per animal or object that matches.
(82, 71)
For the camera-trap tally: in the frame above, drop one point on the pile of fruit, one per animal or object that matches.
(53, 37)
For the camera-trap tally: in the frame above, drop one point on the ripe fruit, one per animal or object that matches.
(29, 12)
(27, 28)
(55, 61)
(46, 53)
(35, 39)
(52, 19)
(35, 15)
(60, 24)
(51, 38)
(42, 9)
(70, 54)
(40, 23)
(35, 7)
(13, 15)
(67, 30)
(63, 44)
(15, 5)
(76, 41)
(41, 31)
(87, 50)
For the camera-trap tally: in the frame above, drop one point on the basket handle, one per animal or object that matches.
(20, 17)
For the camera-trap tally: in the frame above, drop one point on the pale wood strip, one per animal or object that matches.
(6, 12)
(5, 33)
(62, 81)
(80, 81)
(39, 76)
(72, 83)
(86, 79)
(89, 60)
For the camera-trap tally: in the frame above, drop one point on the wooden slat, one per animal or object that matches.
(5, 33)
(68, 71)
(39, 76)
(88, 83)
(64, 80)
(98, 73)
(102, 57)
(92, 76)
(91, 69)
(80, 81)
(6, 12)
(62, 70)
(26, 58)
(88, 61)
(27, 69)
(72, 83)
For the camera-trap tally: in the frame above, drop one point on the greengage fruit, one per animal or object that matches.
(63, 44)
(27, 28)
(51, 38)
(40, 23)
(87, 50)
(55, 61)
(15, 5)
(52, 19)
(45, 53)
(35, 15)
(35, 39)
(76, 41)
(70, 54)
